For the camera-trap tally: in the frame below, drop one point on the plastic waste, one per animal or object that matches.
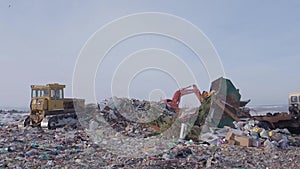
(264, 134)
(268, 144)
(283, 143)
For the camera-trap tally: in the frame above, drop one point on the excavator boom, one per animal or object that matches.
(174, 103)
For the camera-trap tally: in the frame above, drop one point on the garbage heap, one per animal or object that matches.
(73, 148)
(249, 134)
(10, 117)
(135, 118)
(126, 125)
(130, 117)
(37, 148)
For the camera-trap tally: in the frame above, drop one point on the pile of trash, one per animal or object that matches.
(142, 119)
(129, 126)
(249, 134)
(133, 118)
(73, 148)
(10, 117)
(128, 133)
(190, 154)
(136, 118)
(260, 136)
(34, 147)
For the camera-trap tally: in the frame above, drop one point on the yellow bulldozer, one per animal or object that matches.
(49, 108)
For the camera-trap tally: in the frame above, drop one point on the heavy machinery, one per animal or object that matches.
(294, 103)
(226, 104)
(173, 104)
(225, 107)
(49, 108)
(222, 106)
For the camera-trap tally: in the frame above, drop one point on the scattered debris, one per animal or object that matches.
(73, 148)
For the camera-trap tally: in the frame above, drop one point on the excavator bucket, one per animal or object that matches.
(222, 109)
(227, 91)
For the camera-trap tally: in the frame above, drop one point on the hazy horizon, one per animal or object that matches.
(258, 108)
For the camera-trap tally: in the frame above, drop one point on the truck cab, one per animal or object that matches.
(294, 103)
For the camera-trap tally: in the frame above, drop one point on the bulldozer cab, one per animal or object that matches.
(53, 94)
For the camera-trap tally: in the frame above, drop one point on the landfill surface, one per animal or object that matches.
(91, 146)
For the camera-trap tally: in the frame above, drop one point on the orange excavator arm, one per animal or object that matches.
(174, 103)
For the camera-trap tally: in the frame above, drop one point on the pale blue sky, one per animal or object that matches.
(258, 43)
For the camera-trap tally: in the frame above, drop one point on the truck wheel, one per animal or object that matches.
(293, 110)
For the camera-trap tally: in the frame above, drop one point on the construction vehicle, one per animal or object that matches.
(173, 104)
(49, 108)
(222, 105)
(294, 103)
(225, 107)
